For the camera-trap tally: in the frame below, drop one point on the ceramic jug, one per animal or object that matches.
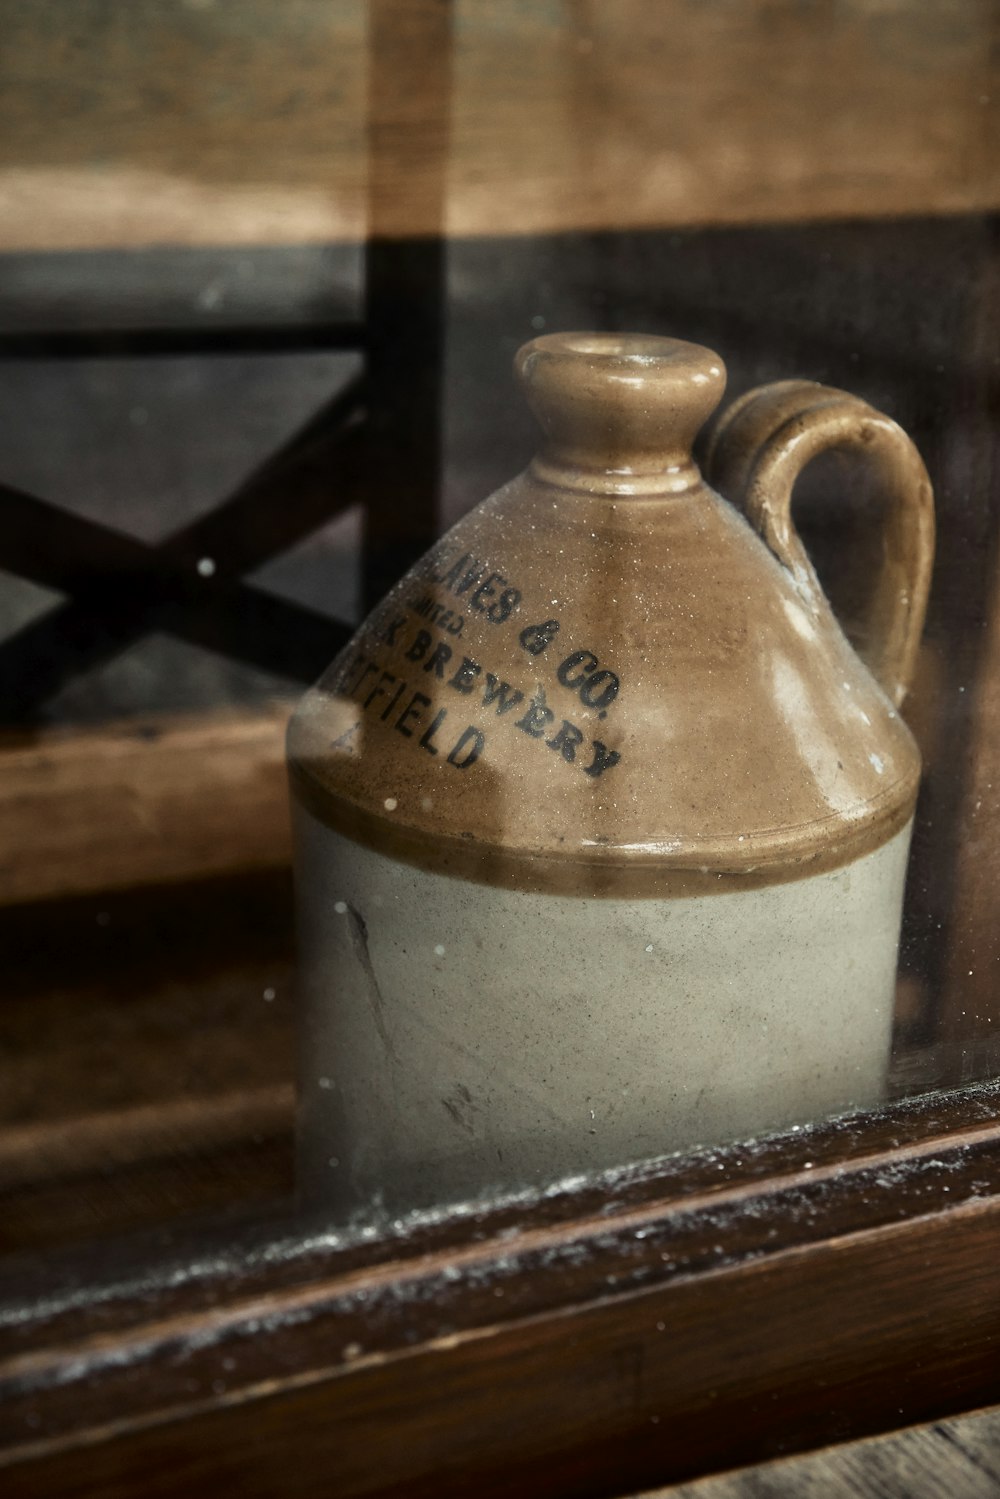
(601, 824)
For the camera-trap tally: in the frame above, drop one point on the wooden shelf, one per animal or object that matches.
(148, 1059)
(145, 802)
(254, 125)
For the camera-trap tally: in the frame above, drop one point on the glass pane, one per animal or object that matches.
(604, 836)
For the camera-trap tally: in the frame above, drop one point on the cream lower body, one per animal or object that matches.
(457, 1039)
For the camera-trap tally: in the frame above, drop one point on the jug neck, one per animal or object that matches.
(632, 482)
(619, 414)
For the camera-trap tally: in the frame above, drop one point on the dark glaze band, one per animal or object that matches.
(607, 872)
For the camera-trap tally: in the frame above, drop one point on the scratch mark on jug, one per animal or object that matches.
(460, 1107)
(358, 929)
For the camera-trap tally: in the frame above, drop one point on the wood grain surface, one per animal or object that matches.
(144, 802)
(959, 1459)
(147, 1059)
(645, 1327)
(967, 1015)
(182, 123)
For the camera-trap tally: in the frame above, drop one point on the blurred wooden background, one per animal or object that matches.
(244, 122)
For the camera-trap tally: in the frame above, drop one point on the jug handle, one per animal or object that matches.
(757, 452)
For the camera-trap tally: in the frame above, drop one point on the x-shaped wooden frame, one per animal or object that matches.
(120, 589)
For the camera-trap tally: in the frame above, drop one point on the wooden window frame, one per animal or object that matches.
(669, 1319)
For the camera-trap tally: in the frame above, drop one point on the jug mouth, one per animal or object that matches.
(610, 345)
(619, 412)
(647, 349)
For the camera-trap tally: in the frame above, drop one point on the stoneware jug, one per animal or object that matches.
(601, 824)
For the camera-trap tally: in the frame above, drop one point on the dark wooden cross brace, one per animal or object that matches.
(387, 422)
(120, 589)
(376, 442)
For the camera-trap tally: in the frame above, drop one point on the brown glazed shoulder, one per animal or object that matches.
(730, 738)
(606, 872)
(604, 680)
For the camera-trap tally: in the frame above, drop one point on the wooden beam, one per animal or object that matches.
(163, 122)
(120, 1138)
(145, 802)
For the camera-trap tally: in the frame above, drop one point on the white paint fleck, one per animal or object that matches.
(390, 804)
(649, 947)
(439, 951)
(340, 907)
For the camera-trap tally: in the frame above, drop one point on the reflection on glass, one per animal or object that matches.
(200, 492)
